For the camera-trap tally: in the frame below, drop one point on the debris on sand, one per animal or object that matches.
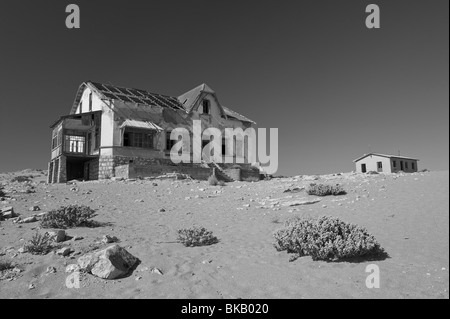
(109, 239)
(157, 271)
(294, 190)
(301, 202)
(8, 212)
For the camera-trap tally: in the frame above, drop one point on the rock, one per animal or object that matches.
(157, 271)
(58, 236)
(294, 190)
(51, 270)
(162, 210)
(22, 250)
(77, 238)
(301, 202)
(42, 214)
(64, 251)
(34, 209)
(117, 179)
(111, 263)
(31, 286)
(109, 239)
(28, 220)
(72, 268)
(8, 212)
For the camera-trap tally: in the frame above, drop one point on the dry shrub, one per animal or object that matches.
(69, 217)
(325, 190)
(196, 236)
(39, 244)
(326, 238)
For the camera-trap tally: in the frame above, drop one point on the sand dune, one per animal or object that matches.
(408, 214)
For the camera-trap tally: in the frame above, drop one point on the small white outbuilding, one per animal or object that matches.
(381, 163)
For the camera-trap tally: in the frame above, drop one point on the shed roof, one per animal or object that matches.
(385, 155)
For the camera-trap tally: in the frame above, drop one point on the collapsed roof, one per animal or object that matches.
(173, 106)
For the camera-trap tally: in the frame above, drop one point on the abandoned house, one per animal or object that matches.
(380, 163)
(120, 132)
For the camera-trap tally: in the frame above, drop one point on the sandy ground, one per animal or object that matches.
(408, 214)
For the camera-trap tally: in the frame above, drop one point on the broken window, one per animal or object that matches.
(75, 144)
(97, 132)
(90, 102)
(56, 138)
(138, 138)
(169, 143)
(206, 107)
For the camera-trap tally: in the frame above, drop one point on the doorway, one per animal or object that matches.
(364, 168)
(77, 169)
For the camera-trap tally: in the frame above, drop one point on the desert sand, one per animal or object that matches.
(407, 213)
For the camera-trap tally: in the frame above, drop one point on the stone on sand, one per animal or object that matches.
(59, 236)
(110, 263)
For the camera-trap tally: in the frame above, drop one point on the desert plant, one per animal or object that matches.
(5, 265)
(325, 190)
(326, 238)
(39, 244)
(196, 236)
(22, 179)
(2, 192)
(213, 181)
(69, 217)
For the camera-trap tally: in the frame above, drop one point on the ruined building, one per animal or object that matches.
(114, 131)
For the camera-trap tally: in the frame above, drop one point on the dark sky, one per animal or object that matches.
(310, 68)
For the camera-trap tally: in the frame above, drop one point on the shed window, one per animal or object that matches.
(394, 163)
(138, 138)
(413, 165)
(406, 165)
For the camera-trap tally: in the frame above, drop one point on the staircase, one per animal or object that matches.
(219, 172)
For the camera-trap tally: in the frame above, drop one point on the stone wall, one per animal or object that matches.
(107, 164)
(234, 173)
(62, 177)
(250, 175)
(135, 171)
(93, 169)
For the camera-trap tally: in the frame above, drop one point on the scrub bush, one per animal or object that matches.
(69, 217)
(196, 236)
(39, 244)
(326, 238)
(325, 190)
